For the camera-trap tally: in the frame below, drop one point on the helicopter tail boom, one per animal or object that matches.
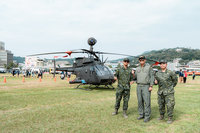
(67, 69)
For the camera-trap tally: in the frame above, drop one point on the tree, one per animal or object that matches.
(10, 65)
(110, 66)
(118, 66)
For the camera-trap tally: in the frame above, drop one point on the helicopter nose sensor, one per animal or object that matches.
(92, 41)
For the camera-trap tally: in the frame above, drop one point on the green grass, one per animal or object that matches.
(50, 106)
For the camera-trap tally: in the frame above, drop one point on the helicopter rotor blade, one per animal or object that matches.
(114, 54)
(156, 62)
(48, 53)
(124, 55)
(105, 60)
(67, 52)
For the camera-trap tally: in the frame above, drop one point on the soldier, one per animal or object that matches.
(145, 79)
(125, 79)
(166, 80)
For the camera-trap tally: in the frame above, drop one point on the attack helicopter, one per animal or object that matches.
(89, 70)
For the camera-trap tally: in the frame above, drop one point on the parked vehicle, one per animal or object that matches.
(2, 70)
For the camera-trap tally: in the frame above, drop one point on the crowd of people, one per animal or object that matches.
(37, 73)
(183, 76)
(65, 74)
(28, 73)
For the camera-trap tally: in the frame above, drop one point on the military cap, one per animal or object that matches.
(142, 57)
(126, 59)
(163, 61)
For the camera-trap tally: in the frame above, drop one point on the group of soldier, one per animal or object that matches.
(145, 79)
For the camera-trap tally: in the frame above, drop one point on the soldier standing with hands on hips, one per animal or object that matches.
(125, 79)
(166, 81)
(145, 79)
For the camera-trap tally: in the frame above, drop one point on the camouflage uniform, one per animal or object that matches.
(166, 81)
(145, 78)
(124, 77)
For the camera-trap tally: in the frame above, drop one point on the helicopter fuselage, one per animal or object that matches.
(90, 71)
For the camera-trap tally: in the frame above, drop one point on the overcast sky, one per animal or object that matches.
(124, 26)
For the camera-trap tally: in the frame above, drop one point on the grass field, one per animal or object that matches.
(50, 106)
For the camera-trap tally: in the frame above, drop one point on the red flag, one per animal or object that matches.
(65, 56)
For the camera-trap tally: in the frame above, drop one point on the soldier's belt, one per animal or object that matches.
(142, 84)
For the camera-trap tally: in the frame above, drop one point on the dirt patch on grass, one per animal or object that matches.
(185, 117)
(36, 107)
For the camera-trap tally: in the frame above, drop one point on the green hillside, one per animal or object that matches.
(19, 59)
(186, 55)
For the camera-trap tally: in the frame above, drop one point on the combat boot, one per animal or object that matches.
(146, 120)
(169, 120)
(116, 112)
(161, 117)
(140, 117)
(125, 114)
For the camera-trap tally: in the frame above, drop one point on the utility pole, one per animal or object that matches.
(54, 63)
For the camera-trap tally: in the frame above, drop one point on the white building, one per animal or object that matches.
(193, 65)
(2, 46)
(6, 56)
(112, 65)
(31, 62)
(174, 66)
(36, 62)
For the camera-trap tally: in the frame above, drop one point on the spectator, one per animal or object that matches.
(62, 76)
(33, 73)
(193, 75)
(68, 76)
(18, 73)
(181, 76)
(24, 73)
(27, 73)
(184, 77)
(13, 72)
(41, 73)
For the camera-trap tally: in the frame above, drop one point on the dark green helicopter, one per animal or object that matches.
(89, 70)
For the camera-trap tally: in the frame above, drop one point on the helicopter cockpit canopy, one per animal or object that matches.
(102, 70)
